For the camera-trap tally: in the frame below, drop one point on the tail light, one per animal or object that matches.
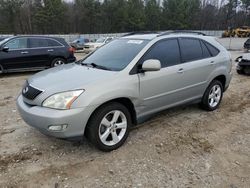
(72, 50)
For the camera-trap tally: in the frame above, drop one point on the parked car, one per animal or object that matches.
(92, 46)
(243, 66)
(79, 43)
(2, 38)
(123, 84)
(247, 44)
(22, 53)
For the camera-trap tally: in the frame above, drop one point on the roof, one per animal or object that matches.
(153, 35)
(142, 36)
(40, 36)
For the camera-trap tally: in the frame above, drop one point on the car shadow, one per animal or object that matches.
(18, 74)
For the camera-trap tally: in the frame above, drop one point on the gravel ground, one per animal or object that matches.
(181, 147)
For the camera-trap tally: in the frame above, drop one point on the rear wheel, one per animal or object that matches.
(57, 62)
(108, 128)
(240, 72)
(212, 96)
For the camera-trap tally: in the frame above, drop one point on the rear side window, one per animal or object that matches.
(166, 51)
(38, 43)
(214, 51)
(205, 51)
(53, 43)
(190, 49)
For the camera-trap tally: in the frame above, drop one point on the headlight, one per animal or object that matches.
(62, 101)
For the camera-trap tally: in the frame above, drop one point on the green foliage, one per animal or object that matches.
(49, 16)
(179, 14)
(106, 16)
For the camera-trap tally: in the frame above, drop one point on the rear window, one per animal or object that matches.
(214, 51)
(190, 49)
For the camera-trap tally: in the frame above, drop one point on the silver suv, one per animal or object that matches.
(123, 84)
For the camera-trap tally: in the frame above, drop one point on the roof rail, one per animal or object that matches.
(181, 31)
(141, 33)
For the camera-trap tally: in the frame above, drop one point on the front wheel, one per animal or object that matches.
(108, 128)
(212, 96)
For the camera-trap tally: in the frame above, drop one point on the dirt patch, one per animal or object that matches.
(180, 147)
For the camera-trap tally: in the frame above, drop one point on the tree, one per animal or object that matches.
(136, 15)
(10, 14)
(179, 14)
(49, 16)
(152, 15)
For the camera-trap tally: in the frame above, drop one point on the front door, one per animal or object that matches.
(163, 88)
(18, 54)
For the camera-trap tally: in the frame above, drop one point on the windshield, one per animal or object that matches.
(3, 41)
(116, 55)
(100, 40)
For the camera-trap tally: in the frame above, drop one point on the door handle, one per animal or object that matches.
(51, 50)
(180, 71)
(212, 62)
(25, 52)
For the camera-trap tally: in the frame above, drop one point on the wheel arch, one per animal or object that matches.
(222, 79)
(124, 101)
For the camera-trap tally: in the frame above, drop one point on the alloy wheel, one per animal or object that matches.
(113, 127)
(214, 96)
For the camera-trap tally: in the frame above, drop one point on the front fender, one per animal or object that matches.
(113, 89)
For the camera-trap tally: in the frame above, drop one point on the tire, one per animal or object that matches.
(247, 70)
(240, 72)
(1, 70)
(102, 130)
(212, 97)
(58, 61)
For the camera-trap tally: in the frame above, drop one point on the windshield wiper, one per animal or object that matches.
(99, 66)
(93, 65)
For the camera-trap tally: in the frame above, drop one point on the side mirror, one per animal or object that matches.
(151, 65)
(5, 49)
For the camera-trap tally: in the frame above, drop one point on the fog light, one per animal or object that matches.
(58, 127)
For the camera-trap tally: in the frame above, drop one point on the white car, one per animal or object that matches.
(91, 46)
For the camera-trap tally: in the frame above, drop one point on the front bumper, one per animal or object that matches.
(41, 118)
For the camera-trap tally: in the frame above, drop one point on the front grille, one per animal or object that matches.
(29, 92)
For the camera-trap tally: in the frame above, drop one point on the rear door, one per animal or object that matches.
(197, 65)
(18, 55)
(39, 52)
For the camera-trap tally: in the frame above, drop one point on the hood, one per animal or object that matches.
(68, 77)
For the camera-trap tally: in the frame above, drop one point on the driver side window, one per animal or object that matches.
(15, 44)
(166, 51)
